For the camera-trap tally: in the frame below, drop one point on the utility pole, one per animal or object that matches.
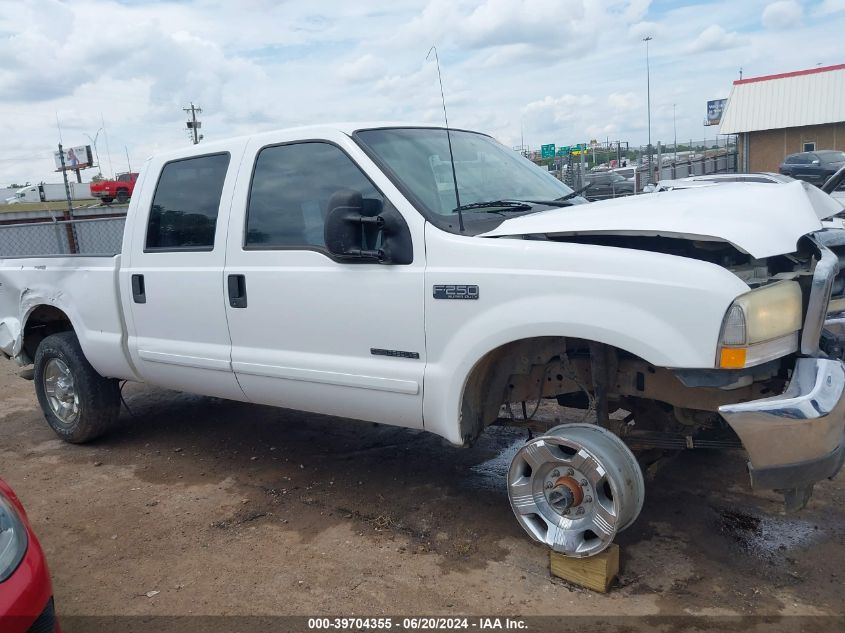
(193, 124)
(71, 236)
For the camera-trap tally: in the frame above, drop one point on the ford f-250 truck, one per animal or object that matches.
(437, 280)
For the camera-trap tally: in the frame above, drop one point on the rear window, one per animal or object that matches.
(183, 215)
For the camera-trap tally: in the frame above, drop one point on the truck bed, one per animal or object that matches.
(84, 288)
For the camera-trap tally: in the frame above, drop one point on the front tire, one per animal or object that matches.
(78, 403)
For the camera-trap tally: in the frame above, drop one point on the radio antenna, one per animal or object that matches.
(448, 139)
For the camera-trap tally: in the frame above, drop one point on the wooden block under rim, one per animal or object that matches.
(595, 572)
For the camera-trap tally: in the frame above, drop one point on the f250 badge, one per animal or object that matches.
(455, 291)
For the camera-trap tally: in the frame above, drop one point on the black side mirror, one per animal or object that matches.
(365, 229)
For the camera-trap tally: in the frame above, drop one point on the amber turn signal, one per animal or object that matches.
(732, 358)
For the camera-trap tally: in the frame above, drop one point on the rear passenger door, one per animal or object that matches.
(173, 284)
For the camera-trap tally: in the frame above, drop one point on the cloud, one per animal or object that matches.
(624, 102)
(364, 68)
(828, 7)
(782, 14)
(567, 71)
(552, 113)
(714, 38)
(644, 29)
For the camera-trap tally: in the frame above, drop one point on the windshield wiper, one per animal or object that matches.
(575, 193)
(558, 202)
(519, 205)
(514, 205)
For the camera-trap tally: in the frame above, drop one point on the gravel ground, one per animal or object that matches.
(227, 508)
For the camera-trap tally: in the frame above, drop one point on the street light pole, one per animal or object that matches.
(647, 39)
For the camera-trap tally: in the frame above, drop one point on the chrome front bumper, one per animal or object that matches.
(798, 437)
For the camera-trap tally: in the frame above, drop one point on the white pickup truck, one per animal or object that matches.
(437, 280)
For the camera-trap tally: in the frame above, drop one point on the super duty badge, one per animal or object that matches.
(456, 291)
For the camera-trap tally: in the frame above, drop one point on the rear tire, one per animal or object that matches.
(122, 196)
(78, 403)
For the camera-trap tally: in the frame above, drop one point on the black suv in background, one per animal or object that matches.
(813, 167)
(606, 184)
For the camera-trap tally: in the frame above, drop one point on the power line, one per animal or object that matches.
(193, 124)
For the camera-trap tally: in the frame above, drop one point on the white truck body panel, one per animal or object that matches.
(572, 290)
(69, 283)
(306, 340)
(180, 337)
(332, 314)
(759, 219)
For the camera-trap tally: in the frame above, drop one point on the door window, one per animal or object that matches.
(185, 205)
(292, 190)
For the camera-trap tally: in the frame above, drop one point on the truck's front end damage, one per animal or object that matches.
(772, 381)
(797, 438)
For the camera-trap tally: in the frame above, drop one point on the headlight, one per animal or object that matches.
(761, 325)
(13, 540)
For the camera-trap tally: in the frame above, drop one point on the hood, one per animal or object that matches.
(759, 219)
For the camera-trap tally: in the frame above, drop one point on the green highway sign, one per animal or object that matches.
(547, 151)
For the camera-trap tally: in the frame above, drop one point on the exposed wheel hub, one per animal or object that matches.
(575, 488)
(564, 493)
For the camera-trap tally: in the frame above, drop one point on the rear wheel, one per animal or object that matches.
(122, 196)
(78, 403)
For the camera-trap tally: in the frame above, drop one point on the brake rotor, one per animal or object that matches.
(575, 488)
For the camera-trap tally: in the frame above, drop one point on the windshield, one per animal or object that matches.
(485, 170)
(832, 157)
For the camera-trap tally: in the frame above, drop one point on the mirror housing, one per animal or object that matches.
(359, 228)
(816, 162)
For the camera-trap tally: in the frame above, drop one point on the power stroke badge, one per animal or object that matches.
(456, 291)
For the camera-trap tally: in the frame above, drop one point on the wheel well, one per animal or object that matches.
(42, 322)
(490, 383)
(584, 374)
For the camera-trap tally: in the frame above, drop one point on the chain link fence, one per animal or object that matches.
(96, 236)
(642, 165)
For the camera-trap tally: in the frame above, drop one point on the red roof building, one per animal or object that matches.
(777, 115)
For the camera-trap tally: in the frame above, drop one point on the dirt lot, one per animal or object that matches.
(226, 508)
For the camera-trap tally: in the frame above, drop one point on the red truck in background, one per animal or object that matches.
(119, 189)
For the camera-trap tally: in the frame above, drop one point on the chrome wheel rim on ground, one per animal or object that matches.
(60, 391)
(575, 487)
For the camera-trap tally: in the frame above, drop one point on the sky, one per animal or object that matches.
(546, 71)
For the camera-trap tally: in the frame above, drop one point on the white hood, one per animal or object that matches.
(759, 219)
